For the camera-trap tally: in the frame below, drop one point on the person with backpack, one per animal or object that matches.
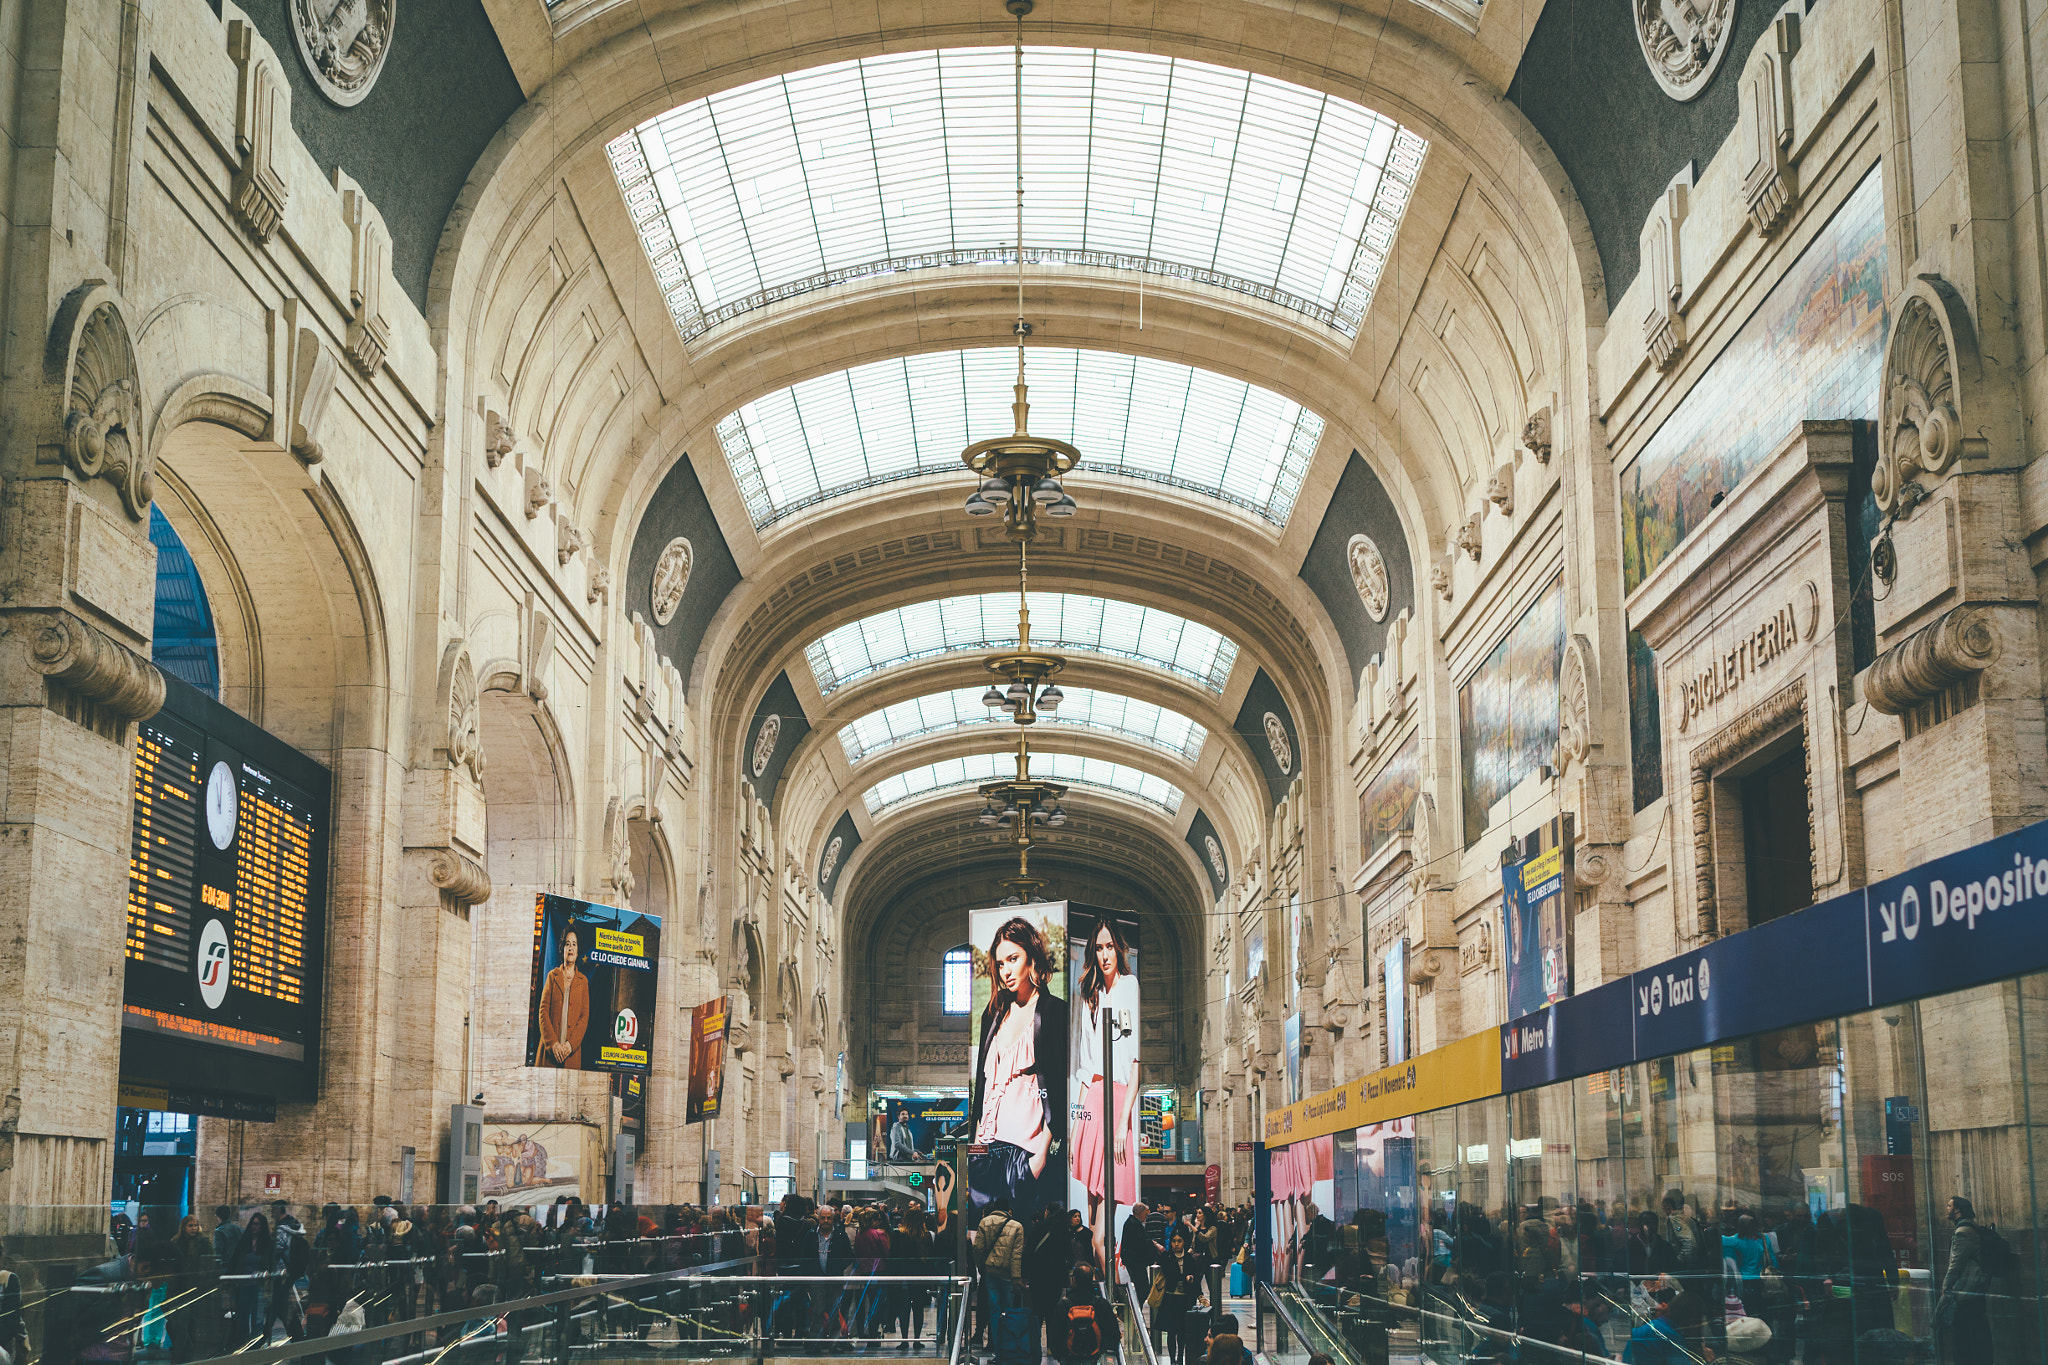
(1225, 1346)
(1083, 1327)
(1963, 1314)
(999, 1251)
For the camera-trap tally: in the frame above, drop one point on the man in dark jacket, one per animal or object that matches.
(827, 1252)
(1048, 1264)
(1320, 1251)
(1137, 1250)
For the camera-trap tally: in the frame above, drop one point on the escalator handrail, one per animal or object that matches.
(1138, 1318)
(968, 1297)
(1501, 1334)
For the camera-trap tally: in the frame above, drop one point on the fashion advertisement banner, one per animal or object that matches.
(1535, 914)
(707, 1061)
(1020, 1028)
(594, 969)
(1303, 1193)
(1102, 983)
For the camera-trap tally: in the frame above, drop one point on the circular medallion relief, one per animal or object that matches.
(831, 863)
(1369, 575)
(671, 577)
(1684, 43)
(1215, 852)
(764, 743)
(343, 45)
(1276, 739)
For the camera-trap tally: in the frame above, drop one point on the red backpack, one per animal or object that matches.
(1084, 1332)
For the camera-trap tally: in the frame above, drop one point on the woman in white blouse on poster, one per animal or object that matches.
(1107, 985)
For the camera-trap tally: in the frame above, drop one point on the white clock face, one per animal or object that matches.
(220, 805)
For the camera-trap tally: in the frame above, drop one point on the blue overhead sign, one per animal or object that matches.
(1971, 917)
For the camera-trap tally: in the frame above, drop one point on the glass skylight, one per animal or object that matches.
(1061, 623)
(1083, 707)
(1071, 769)
(905, 162)
(895, 419)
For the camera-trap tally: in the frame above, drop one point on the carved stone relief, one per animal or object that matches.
(671, 579)
(764, 743)
(464, 712)
(539, 493)
(830, 862)
(1575, 703)
(1469, 537)
(1369, 575)
(570, 541)
(314, 372)
(1746, 730)
(1215, 852)
(1770, 183)
(600, 584)
(1927, 363)
(1276, 740)
(343, 45)
(499, 438)
(1664, 267)
(1536, 435)
(1684, 42)
(618, 850)
(1500, 489)
(1440, 577)
(91, 361)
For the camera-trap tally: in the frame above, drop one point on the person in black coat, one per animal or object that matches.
(1137, 1249)
(795, 1234)
(826, 1251)
(1048, 1264)
(1018, 1163)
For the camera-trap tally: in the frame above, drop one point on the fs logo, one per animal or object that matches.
(626, 1028)
(211, 964)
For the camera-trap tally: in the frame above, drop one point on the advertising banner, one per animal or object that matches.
(1536, 919)
(1394, 970)
(1290, 1037)
(1102, 1098)
(906, 1128)
(529, 1164)
(1020, 1026)
(707, 1061)
(592, 1003)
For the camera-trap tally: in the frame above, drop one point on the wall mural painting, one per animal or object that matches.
(1814, 348)
(1507, 709)
(1389, 802)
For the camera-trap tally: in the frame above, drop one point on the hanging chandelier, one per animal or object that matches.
(1020, 477)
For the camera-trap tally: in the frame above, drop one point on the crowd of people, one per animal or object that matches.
(261, 1276)
(1648, 1285)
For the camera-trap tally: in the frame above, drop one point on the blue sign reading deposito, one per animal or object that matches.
(1962, 920)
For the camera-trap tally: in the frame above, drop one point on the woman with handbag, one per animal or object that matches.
(1176, 1280)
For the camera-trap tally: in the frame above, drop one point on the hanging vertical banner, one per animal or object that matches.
(1535, 909)
(1102, 984)
(707, 1060)
(592, 1003)
(1290, 1034)
(1020, 1027)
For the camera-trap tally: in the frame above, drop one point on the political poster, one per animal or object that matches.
(1102, 1082)
(1536, 918)
(707, 1061)
(592, 1001)
(1019, 1027)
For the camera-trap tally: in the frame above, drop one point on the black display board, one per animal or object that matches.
(227, 901)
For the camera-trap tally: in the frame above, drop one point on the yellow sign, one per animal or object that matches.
(1465, 1070)
(635, 1056)
(612, 941)
(139, 1095)
(1545, 865)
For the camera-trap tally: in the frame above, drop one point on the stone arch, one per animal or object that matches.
(530, 824)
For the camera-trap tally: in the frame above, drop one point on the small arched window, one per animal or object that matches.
(957, 981)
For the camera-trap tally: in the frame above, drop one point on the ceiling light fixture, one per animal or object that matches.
(1020, 478)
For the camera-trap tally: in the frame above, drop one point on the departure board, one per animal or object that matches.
(164, 849)
(226, 892)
